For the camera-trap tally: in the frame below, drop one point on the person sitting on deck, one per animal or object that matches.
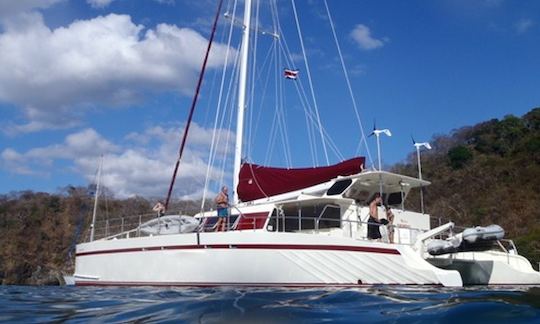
(159, 208)
(222, 203)
(374, 223)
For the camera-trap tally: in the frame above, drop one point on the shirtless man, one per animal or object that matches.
(374, 222)
(222, 203)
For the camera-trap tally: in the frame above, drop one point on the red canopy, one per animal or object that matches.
(257, 181)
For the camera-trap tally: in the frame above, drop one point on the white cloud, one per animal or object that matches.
(99, 3)
(523, 25)
(361, 34)
(107, 61)
(15, 162)
(142, 167)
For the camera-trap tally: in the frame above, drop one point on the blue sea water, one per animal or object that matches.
(377, 304)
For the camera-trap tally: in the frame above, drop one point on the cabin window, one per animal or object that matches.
(357, 194)
(338, 187)
(331, 217)
(295, 218)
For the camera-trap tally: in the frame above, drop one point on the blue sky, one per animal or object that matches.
(115, 77)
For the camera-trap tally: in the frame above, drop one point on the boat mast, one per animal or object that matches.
(241, 97)
(92, 226)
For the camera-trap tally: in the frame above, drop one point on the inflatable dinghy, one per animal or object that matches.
(471, 239)
(439, 247)
(172, 224)
(478, 233)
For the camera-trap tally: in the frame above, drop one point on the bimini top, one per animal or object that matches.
(257, 181)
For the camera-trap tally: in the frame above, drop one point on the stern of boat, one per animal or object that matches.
(489, 268)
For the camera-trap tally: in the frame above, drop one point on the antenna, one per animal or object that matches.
(401, 186)
(377, 133)
(418, 146)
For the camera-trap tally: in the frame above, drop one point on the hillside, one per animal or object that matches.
(38, 231)
(485, 174)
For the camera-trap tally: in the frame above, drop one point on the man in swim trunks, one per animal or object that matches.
(222, 204)
(373, 232)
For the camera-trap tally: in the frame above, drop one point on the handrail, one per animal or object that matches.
(322, 212)
(135, 231)
(134, 221)
(240, 216)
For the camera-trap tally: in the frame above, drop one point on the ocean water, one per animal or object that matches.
(377, 304)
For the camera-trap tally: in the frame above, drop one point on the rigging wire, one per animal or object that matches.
(281, 113)
(212, 84)
(278, 93)
(278, 54)
(268, 60)
(310, 81)
(194, 102)
(287, 54)
(228, 139)
(310, 127)
(273, 128)
(331, 143)
(226, 110)
(220, 97)
(229, 109)
(346, 74)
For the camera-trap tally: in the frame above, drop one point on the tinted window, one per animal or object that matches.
(338, 187)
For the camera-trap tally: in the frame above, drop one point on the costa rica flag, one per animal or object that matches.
(290, 74)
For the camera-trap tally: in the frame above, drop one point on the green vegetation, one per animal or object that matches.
(459, 156)
(485, 174)
(39, 231)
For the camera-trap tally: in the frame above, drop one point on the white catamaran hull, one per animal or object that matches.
(490, 268)
(254, 258)
(305, 227)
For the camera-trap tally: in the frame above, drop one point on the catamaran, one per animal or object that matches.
(303, 227)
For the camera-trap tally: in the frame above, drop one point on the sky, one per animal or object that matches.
(115, 78)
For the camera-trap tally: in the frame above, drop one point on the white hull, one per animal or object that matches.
(288, 243)
(490, 268)
(254, 258)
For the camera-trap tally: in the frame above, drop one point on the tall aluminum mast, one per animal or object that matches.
(241, 97)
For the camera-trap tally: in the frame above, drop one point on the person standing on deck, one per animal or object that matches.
(374, 222)
(222, 204)
(389, 225)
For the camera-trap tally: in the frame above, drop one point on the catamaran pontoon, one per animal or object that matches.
(303, 228)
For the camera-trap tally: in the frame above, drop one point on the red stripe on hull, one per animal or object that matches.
(251, 246)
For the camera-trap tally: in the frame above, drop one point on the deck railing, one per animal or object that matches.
(129, 226)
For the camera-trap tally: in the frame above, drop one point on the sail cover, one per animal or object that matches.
(257, 181)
